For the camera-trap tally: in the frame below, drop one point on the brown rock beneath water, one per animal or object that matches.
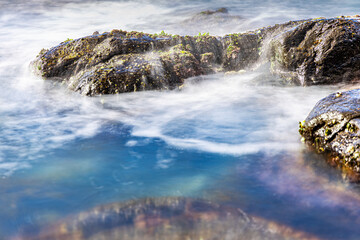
(170, 218)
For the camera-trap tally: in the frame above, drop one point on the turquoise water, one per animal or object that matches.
(229, 138)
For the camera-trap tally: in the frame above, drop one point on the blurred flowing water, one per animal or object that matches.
(229, 138)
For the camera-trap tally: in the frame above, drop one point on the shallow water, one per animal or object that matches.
(229, 138)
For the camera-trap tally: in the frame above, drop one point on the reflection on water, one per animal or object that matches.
(228, 138)
(302, 188)
(170, 218)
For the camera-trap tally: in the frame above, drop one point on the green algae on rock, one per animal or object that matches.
(333, 128)
(166, 218)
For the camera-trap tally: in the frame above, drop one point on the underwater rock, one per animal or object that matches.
(306, 52)
(333, 128)
(318, 51)
(170, 218)
(211, 12)
(207, 21)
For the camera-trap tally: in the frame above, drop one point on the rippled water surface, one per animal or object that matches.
(231, 139)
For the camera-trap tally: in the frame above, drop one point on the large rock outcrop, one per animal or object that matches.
(122, 61)
(333, 128)
(167, 218)
(322, 51)
(307, 52)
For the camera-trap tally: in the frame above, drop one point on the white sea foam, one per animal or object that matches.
(218, 115)
(163, 163)
(131, 143)
(6, 169)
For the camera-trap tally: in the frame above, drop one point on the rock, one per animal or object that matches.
(122, 61)
(208, 21)
(318, 51)
(333, 128)
(119, 61)
(306, 52)
(210, 12)
(170, 218)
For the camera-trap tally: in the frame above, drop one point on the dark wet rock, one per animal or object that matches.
(241, 51)
(207, 21)
(122, 61)
(320, 51)
(307, 52)
(333, 128)
(220, 15)
(170, 218)
(211, 12)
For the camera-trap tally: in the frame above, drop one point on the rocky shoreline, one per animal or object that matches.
(306, 52)
(120, 61)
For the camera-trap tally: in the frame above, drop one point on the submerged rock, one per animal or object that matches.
(171, 218)
(211, 12)
(207, 21)
(315, 51)
(333, 128)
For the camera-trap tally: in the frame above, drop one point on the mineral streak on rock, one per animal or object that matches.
(170, 218)
(333, 128)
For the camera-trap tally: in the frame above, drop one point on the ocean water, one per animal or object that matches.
(232, 139)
